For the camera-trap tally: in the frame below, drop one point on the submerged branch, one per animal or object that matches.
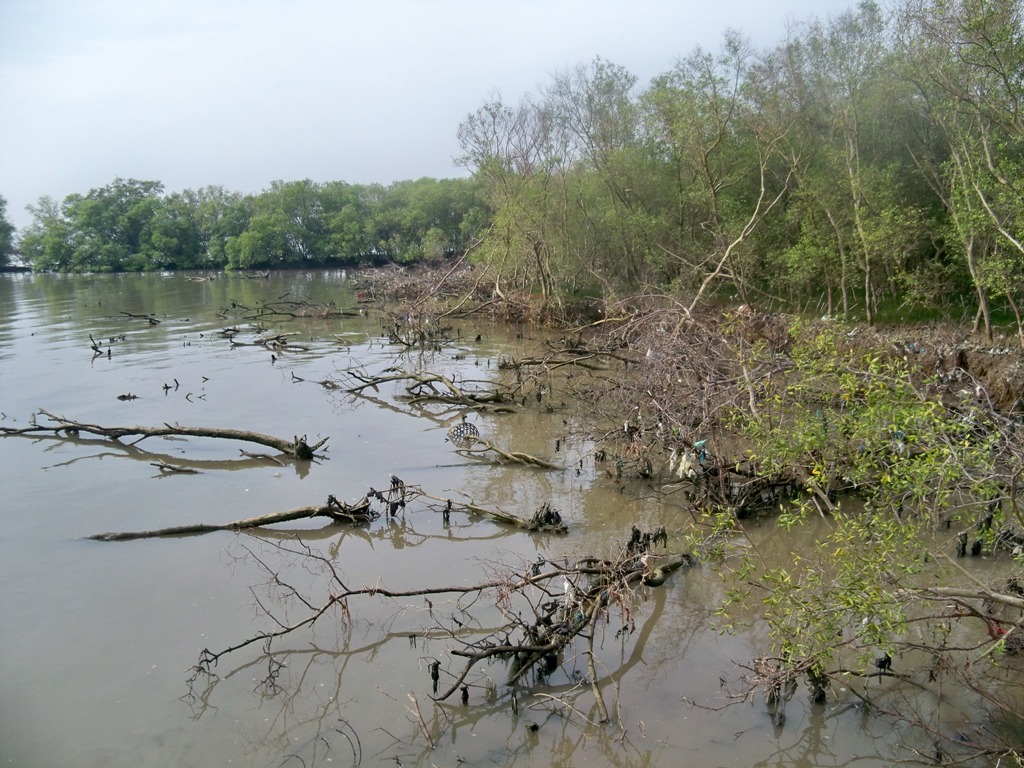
(591, 588)
(477, 447)
(555, 603)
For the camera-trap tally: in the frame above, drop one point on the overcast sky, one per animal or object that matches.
(242, 92)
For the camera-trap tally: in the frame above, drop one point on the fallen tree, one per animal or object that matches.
(296, 448)
(546, 606)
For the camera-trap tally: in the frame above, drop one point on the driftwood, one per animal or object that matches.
(148, 318)
(545, 520)
(280, 342)
(338, 511)
(297, 448)
(393, 500)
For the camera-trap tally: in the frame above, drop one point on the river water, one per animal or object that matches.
(97, 638)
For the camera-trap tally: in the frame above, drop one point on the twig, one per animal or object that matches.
(419, 719)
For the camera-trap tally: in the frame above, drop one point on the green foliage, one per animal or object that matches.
(132, 225)
(819, 168)
(6, 235)
(846, 420)
(886, 467)
(46, 244)
(841, 593)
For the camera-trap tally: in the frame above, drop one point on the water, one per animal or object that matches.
(98, 639)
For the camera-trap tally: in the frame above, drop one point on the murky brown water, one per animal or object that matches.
(96, 639)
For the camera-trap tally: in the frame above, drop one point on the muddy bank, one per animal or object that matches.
(959, 362)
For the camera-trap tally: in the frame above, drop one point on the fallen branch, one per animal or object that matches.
(297, 448)
(580, 611)
(148, 318)
(477, 447)
(545, 520)
(554, 603)
(590, 588)
(423, 386)
(279, 343)
(338, 511)
(171, 469)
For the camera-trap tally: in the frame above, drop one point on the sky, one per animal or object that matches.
(239, 93)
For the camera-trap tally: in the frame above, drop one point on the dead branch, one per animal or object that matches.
(171, 469)
(565, 600)
(297, 448)
(337, 511)
(148, 318)
(300, 309)
(554, 363)
(545, 520)
(424, 386)
(328, 384)
(477, 447)
(278, 343)
(590, 588)
(419, 719)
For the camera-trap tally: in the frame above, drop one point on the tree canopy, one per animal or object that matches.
(6, 235)
(133, 225)
(869, 158)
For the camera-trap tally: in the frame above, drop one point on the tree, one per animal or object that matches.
(46, 242)
(108, 229)
(611, 189)
(175, 239)
(413, 220)
(966, 60)
(220, 216)
(722, 156)
(516, 155)
(7, 249)
(844, 61)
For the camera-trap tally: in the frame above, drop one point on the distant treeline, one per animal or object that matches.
(133, 225)
(875, 156)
